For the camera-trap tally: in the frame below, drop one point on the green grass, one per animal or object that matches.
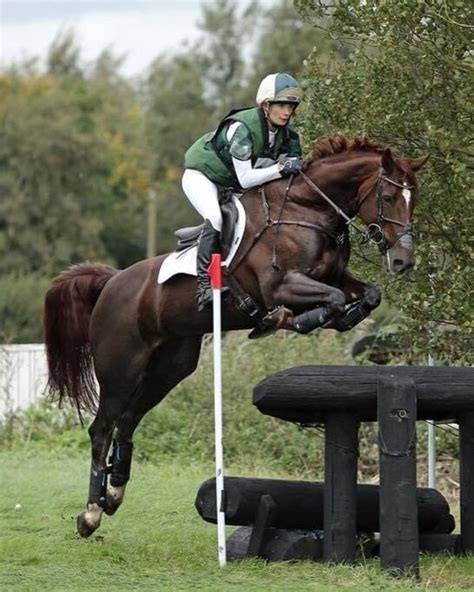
(156, 541)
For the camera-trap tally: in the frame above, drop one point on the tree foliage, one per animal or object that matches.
(81, 147)
(408, 83)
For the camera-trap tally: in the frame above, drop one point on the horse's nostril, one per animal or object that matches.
(398, 264)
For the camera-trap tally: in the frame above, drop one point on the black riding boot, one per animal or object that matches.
(209, 243)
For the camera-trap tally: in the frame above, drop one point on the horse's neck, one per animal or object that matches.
(340, 178)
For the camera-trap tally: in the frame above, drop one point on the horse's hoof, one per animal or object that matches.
(85, 528)
(114, 498)
(111, 506)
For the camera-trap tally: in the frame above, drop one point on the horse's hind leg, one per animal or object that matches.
(170, 363)
(100, 433)
(120, 376)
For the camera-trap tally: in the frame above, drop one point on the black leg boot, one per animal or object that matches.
(209, 243)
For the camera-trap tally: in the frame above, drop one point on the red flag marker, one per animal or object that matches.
(215, 271)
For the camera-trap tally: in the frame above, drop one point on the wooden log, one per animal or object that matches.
(300, 545)
(280, 545)
(440, 543)
(299, 504)
(429, 543)
(306, 394)
(397, 445)
(466, 478)
(340, 487)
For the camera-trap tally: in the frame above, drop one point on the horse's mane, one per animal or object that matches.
(338, 144)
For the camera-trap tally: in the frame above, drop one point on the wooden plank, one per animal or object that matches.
(307, 393)
(340, 488)
(399, 545)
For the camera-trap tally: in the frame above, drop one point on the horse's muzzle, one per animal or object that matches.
(398, 260)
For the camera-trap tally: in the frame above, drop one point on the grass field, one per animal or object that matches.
(156, 541)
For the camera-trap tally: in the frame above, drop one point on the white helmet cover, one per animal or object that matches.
(279, 88)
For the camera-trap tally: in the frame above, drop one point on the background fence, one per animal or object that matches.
(23, 376)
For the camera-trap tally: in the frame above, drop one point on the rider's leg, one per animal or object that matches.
(209, 243)
(203, 195)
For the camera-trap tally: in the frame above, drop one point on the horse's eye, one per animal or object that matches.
(388, 199)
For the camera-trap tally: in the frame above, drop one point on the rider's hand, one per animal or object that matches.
(292, 165)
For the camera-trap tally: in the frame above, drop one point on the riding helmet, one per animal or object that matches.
(279, 88)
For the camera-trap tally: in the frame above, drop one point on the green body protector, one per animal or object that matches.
(212, 154)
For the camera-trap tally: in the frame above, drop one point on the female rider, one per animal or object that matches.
(248, 148)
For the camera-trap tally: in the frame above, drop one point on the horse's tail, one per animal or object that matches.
(67, 311)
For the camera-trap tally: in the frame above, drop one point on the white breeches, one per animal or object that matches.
(202, 194)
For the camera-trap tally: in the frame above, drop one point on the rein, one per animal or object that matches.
(373, 233)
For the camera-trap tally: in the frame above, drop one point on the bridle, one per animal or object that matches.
(374, 231)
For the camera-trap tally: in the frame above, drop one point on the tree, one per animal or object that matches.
(74, 139)
(285, 43)
(406, 82)
(48, 162)
(226, 29)
(176, 114)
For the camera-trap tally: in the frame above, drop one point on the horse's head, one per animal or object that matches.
(386, 202)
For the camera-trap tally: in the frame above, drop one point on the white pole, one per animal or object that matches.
(215, 273)
(431, 444)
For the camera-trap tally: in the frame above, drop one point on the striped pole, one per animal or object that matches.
(215, 273)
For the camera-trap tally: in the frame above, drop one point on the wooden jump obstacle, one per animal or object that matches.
(283, 520)
(339, 398)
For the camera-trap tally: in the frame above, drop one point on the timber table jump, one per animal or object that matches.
(340, 397)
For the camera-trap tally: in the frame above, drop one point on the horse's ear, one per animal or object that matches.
(388, 162)
(417, 163)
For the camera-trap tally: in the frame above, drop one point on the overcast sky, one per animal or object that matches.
(139, 28)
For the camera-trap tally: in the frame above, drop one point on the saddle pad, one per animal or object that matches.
(185, 261)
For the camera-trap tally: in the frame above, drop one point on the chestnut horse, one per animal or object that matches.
(142, 338)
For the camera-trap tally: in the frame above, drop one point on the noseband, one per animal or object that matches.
(374, 232)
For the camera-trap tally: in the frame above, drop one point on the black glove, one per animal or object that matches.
(292, 165)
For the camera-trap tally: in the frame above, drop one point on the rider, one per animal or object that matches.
(248, 148)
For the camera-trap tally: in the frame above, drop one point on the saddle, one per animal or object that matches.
(188, 237)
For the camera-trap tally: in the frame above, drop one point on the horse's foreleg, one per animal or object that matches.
(170, 363)
(365, 298)
(298, 291)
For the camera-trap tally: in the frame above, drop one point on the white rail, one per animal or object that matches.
(23, 376)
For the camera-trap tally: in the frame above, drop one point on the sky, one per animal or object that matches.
(141, 29)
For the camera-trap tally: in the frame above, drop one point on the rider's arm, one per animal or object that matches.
(240, 149)
(250, 177)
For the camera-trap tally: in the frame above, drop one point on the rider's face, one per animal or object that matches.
(278, 114)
